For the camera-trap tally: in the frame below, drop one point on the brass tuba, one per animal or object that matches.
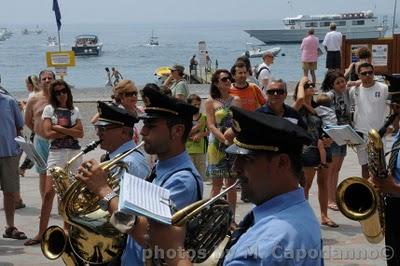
(358, 200)
(91, 238)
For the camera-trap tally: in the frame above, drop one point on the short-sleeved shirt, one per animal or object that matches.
(396, 172)
(180, 87)
(250, 96)
(137, 166)
(265, 72)
(309, 49)
(341, 105)
(333, 41)
(289, 114)
(11, 119)
(185, 186)
(283, 226)
(66, 118)
(369, 106)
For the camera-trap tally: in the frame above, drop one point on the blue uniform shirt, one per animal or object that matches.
(285, 232)
(396, 174)
(137, 166)
(186, 187)
(11, 119)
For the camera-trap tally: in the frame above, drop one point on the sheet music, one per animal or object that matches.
(30, 151)
(343, 134)
(144, 198)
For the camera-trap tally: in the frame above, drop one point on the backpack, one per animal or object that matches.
(261, 69)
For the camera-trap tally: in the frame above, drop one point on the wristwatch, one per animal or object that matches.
(105, 202)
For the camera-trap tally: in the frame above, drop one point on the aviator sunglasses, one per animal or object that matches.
(225, 79)
(309, 85)
(59, 92)
(130, 94)
(367, 73)
(277, 91)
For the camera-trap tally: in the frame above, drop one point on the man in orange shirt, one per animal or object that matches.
(251, 97)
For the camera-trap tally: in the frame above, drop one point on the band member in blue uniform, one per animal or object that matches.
(167, 123)
(282, 228)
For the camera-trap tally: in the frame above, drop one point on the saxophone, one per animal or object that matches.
(358, 200)
(91, 238)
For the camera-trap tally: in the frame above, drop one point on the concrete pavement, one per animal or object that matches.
(345, 245)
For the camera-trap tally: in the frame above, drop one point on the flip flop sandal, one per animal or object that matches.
(333, 207)
(31, 242)
(330, 224)
(12, 232)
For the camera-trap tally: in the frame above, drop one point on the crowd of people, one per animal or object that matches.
(247, 131)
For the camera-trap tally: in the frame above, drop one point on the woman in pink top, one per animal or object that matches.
(309, 54)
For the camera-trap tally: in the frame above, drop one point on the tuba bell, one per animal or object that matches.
(91, 238)
(358, 200)
(207, 225)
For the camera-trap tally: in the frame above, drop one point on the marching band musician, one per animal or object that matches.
(282, 225)
(391, 186)
(115, 130)
(167, 123)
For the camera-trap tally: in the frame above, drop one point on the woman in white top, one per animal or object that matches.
(62, 125)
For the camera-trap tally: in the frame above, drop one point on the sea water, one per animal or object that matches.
(124, 47)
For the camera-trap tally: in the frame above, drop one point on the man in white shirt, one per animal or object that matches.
(333, 43)
(369, 105)
(263, 73)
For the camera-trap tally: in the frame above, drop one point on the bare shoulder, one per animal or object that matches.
(208, 101)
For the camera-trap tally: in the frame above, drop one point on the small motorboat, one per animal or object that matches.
(258, 52)
(86, 45)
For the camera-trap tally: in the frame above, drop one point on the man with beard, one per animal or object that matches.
(167, 123)
(282, 225)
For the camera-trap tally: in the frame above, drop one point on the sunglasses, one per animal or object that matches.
(130, 94)
(309, 85)
(59, 92)
(367, 73)
(225, 79)
(278, 92)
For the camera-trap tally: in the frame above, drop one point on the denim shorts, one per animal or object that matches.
(311, 157)
(338, 150)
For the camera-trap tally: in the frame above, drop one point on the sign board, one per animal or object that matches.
(353, 54)
(60, 59)
(380, 54)
(202, 53)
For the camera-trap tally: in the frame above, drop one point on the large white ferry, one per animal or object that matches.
(356, 25)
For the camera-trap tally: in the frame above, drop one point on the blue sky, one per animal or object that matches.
(122, 11)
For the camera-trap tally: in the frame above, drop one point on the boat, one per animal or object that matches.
(86, 45)
(356, 25)
(51, 41)
(153, 40)
(5, 34)
(258, 52)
